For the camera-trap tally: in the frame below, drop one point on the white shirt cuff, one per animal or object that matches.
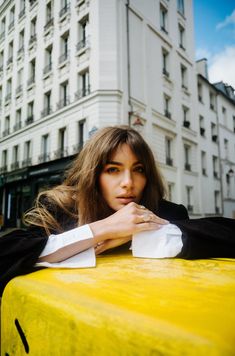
(162, 243)
(86, 258)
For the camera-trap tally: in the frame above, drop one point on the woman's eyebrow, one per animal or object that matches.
(121, 164)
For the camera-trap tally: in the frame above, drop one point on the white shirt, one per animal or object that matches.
(163, 243)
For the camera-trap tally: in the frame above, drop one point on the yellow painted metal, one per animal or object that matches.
(124, 306)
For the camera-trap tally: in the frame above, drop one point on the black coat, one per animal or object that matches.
(202, 238)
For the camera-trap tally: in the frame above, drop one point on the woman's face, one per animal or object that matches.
(123, 179)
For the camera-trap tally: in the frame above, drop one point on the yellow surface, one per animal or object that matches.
(124, 306)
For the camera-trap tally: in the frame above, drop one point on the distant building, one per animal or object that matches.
(69, 68)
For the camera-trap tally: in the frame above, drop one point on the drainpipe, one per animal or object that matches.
(130, 108)
(220, 161)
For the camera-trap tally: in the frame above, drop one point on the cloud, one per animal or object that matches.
(202, 53)
(228, 21)
(222, 66)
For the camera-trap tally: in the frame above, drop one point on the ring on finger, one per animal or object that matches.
(146, 217)
(142, 207)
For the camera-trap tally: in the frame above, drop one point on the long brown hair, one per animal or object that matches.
(78, 198)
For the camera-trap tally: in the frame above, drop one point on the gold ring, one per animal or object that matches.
(142, 207)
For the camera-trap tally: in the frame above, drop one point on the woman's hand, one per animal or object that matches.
(124, 223)
(109, 244)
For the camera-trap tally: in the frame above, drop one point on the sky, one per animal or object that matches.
(214, 27)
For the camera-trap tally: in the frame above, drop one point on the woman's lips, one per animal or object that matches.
(126, 200)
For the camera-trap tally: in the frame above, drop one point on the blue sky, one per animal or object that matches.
(214, 23)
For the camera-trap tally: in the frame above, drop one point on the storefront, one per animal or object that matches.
(18, 189)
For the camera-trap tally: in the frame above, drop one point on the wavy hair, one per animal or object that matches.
(78, 199)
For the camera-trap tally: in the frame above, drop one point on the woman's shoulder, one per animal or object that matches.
(172, 211)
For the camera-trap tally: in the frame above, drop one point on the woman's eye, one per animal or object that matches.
(112, 170)
(139, 169)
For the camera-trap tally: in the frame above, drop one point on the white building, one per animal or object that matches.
(68, 68)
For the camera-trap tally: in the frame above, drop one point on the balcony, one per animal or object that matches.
(49, 24)
(29, 120)
(167, 114)
(44, 157)
(17, 126)
(20, 51)
(216, 175)
(32, 2)
(61, 152)
(187, 167)
(212, 107)
(47, 69)
(184, 87)
(163, 28)
(10, 60)
(182, 47)
(78, 147)
(202, 131)
(82, 92)
(31, 81)
(82, 44)
(190, 208)
(200, 98)
(21, 14)
(64, 57)
(169, 161)
(186, 124)
(3, 169)
(33, 39)
(63, 102)
(217, 210)
(64, 10)
(214, 138)
(15, 165)
(27, 162)
(11, 25)
(6, 132)
(46, 111)
(165, 72)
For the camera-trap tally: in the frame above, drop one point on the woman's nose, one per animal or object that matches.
(127, 180)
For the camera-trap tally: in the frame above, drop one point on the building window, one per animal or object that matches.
(203, 160)
(187, 154)
(226, 149)
(233, 123)
(3, 28)
(202, 125)
(18, 124)
(180, 6)
(32, 67)
(4, 161)
(186, 121)
(163, 18)
(170, 191)
(167, 101)
(217, 201)
(65, 6)
(64, 95)
(22, 8)
(45, 156)
(83, 84)
(62, 150)
(212, 101)
(48, 12)
(19, 82)
(47, 104)
(48, 60)
(184, 79)
(199, 90)
(168, 148)
(7, 126)
(215, 164)
(21, 43)
(64, 48)
(9, 88)
(33, 31)
(15, 158)
(181, 36)
(27, 161)
(1, 60)
(12, 18)
(10, 53)
(30, 117)
(83, 33)
(189, 193)
(165, 62)
(224, 113)
(214, 135)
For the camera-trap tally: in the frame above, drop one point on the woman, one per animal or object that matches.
(112, 191)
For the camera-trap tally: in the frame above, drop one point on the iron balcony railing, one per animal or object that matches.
(29, 120)
(44, 157)
(27, 162)
(63, 102)
(6, 132)
(17, 126)
(15, 165)
(61, 152)
(64, 10)
(50, 23)
(46, 111)
(82, 92)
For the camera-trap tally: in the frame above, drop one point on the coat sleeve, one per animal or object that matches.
(207, 238)
(19, 251)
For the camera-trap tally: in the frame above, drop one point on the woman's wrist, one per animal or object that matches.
(100, 231)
